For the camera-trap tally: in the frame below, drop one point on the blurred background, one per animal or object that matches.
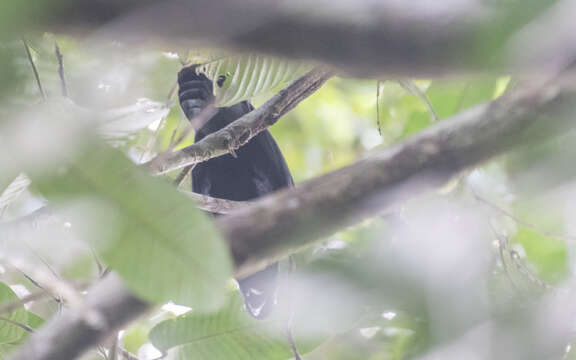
(482, 268)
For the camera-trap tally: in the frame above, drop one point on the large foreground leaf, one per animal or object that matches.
(154, 237)
(229, 334)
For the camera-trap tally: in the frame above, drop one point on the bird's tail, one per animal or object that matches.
(259, 291)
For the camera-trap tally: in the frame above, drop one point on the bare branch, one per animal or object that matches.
(34, 69)
(242, 130)
(413, 89)
(35, 296)
(127, 354)
(70, 335)
(59, 288)
(182, 175)
(61, 70)
(214, 205)
(16, 323)
(38, 295)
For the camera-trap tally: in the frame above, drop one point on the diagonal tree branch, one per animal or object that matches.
(293, 218)
(71, 334)
(286, 221)
(242, 130)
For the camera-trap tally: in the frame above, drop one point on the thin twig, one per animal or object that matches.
(198, 121)
(154, 139)
(215, 205)
(503, 249)
(61, 70)
(54, 297)
(57, 297)
(413, 89)
(102, 351)
(113, 351)
(101, 268)
(70, 335)
(292, 344)
(378, 107)
(202, 118)
(292, 309)
(58, 287)
(38, 82)
(516, 260)
(16, 323)
(127, 354)
(11, 306)
(182, 175)
(172, 91)
(526, 272)
(35, 296)
(520, 221)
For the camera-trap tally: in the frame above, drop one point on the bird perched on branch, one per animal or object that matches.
(256, 169)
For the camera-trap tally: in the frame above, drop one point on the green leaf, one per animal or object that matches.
(249, 75)
(229, 334)
(13, 191)
(34, 321)
(417, 122)
(6, 349)
(539, 167)
(449, 98)
(143, 228)
(10, 333)
(547, 254)
(135, 338)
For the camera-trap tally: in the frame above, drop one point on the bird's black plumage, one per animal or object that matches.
(258, 169)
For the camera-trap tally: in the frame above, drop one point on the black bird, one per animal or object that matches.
(259, 168)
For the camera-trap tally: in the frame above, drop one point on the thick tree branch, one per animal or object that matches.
(233, 136)
(361, 37)
(286, 221)
(280, 224)
(71, 334)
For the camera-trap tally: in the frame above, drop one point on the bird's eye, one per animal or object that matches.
(220, 81)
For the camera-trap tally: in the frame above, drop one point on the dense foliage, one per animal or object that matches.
(485, 250)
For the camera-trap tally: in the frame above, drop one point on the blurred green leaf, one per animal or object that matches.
(228, 334)
(547, 254)
(34, 321)
(11, 334)
(417, 122)
(543, 166)
(450, 97)
(154, 237)
(134, 339)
